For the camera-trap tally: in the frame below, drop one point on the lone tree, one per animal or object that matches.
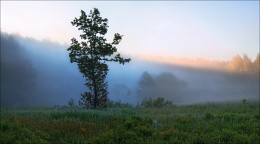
(91, 55)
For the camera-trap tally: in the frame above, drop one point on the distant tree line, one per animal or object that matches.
(243, 64)
(164, 85)
(236, 64)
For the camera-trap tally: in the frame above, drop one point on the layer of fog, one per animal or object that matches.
(39, 73)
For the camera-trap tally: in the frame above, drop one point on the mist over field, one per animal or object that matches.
(39, 73)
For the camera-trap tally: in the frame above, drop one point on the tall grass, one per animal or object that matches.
(205, 123)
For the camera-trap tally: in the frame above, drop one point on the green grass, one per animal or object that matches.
(208, 123)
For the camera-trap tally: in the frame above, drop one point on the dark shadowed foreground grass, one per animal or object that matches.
(208, 123)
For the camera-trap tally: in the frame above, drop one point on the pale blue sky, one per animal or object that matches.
(212, 29)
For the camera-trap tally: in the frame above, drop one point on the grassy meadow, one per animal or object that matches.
(205, 123)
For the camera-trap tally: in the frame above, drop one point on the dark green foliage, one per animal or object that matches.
(204, 124)
(158, 102)
(129, 130)
(114, 104)
(14, 133)
(91, 55)
(208, 115)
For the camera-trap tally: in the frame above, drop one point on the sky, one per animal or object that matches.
(215, 30)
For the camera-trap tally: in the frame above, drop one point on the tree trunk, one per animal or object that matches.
(94, 77)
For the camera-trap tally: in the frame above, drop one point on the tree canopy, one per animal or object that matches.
(243, 64)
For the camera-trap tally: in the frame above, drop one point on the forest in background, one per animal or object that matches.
(46, 77)
(236, 64)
